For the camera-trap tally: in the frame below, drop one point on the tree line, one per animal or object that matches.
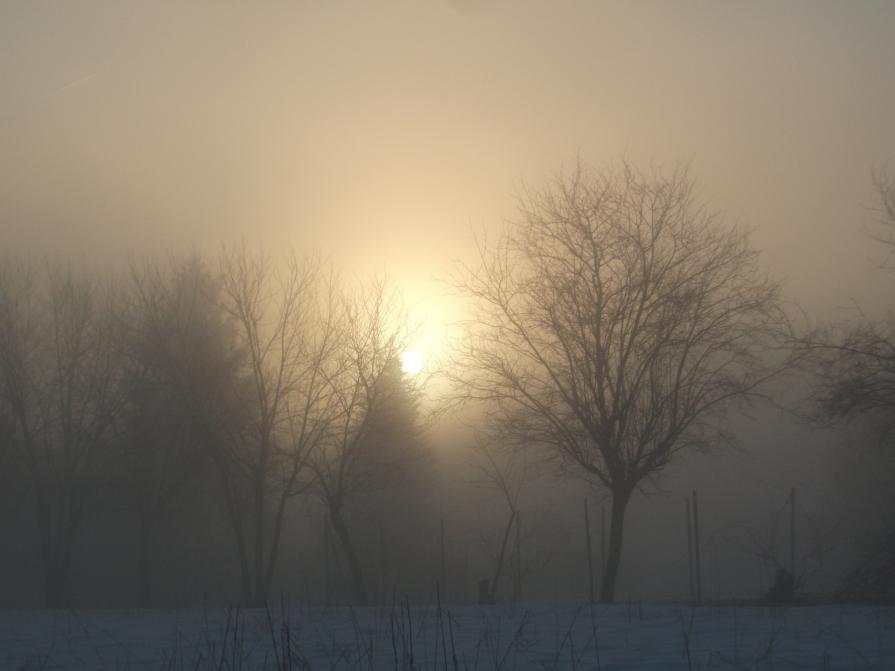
(270, 373)
(615, 323)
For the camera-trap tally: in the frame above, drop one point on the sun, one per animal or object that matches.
(411, 362)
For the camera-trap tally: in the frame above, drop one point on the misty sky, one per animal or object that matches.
(383, 133)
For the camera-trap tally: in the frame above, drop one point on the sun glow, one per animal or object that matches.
(412, 362)
(427, 319)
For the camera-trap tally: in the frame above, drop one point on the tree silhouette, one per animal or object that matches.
(613, 321)
(282, 323)
(167, 327)
(853, 365)
(505, 470)
(60, 377)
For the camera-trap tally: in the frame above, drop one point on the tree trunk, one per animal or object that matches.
(357, 576)
(620, 500)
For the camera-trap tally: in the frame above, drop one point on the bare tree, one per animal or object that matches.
(771, 545)
(507, 470)
(497, 474)
(60, 378)
(374, 414)
(612, 322)
(854, 363)
(853, 366)
(884, 184)
(283, 324)
(169, 333)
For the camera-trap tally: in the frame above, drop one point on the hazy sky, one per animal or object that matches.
(384, 132)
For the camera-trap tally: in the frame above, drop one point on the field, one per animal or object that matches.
(626, 636)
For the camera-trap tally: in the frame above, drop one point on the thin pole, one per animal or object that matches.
(696, 548)
(602, 541)
(443, 565)
(383, 563)
(466, 580)
(792, 525)
(327, 561)
(689, 546)
(518, 557)
(590, 560)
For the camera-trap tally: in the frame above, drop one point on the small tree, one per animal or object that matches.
(771, 544)
(507, 470)
(612, 321)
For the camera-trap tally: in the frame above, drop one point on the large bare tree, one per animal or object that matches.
(60, 379)
(612, 321)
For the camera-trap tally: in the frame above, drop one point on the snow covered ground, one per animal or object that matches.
(627, 636)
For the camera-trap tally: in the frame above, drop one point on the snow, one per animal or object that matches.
(625, 636)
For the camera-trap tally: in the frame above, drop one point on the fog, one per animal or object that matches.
(386, 138)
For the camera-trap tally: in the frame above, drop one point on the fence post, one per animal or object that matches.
(444, 589)
(689, 547)
(590, 560)
(327, 561)
(792, 524)
(696, 548)
(518, 557)
(602, 542)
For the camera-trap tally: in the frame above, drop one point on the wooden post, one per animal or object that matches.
(689, 547)
(792, 524)
(602, 542)
(327, 562)
(590, 560)
(518, 558)
(466, 572)
(443, 564)
(381, 588)
(696, 548)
